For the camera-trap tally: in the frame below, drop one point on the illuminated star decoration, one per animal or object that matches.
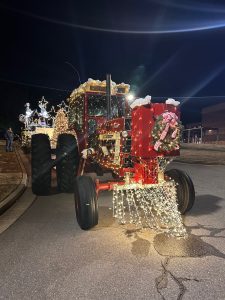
(43, 103)
(64, 107)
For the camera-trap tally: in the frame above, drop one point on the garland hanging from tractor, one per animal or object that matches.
(166, 132)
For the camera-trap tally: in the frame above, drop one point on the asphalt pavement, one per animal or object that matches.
(45, 255)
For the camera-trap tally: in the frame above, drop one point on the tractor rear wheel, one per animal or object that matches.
(67, 158)
(40, 164)
(185, 189)
(86, 204)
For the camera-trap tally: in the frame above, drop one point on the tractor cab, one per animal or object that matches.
(88, 108)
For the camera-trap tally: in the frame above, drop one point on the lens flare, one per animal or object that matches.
(204, 83)
(160, 70)
(187, 27)
(193, 6)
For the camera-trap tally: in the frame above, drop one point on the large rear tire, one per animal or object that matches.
(185, 189)
(86, 204)
(67, 157)
(40, 164)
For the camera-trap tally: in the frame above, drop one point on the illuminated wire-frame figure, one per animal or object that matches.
(27, 118)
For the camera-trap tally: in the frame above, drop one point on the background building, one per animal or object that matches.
(210, 130)
(213, 122)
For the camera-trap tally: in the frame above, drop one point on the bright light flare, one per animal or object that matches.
(130, 97)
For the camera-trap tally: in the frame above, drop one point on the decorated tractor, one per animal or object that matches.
(133, 142)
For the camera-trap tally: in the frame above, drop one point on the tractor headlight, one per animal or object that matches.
(130, 97)
(124, 133)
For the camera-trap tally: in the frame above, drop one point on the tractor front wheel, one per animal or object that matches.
(86, 202)
(185, 189)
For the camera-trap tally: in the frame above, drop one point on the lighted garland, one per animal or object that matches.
(149, 206)
(166, 132)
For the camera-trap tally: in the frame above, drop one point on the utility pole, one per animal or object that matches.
(108, 95)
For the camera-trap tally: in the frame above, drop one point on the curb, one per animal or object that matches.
(12, 198)
(14, 209)
(203, 147)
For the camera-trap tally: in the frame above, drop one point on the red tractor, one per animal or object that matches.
(133, 144)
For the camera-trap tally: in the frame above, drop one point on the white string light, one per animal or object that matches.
(153, 205)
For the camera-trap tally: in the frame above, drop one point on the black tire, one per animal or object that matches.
(86, 204)
(185, 189)
(191, 192)
(67, 158)
(40, 164)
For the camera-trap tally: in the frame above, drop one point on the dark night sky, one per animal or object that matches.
(162, 48)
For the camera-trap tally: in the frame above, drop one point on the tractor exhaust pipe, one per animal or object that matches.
(108, 95)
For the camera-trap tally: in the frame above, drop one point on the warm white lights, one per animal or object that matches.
(130, 97)
(153, 206)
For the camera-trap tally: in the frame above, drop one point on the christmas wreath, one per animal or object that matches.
(166, 132)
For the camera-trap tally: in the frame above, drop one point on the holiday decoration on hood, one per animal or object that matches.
(97, 86)
(166, 132)
(173, 102)
(141, 101)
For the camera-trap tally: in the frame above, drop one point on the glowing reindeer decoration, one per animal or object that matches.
(27, 118)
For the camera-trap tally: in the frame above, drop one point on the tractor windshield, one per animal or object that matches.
(97, 105)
